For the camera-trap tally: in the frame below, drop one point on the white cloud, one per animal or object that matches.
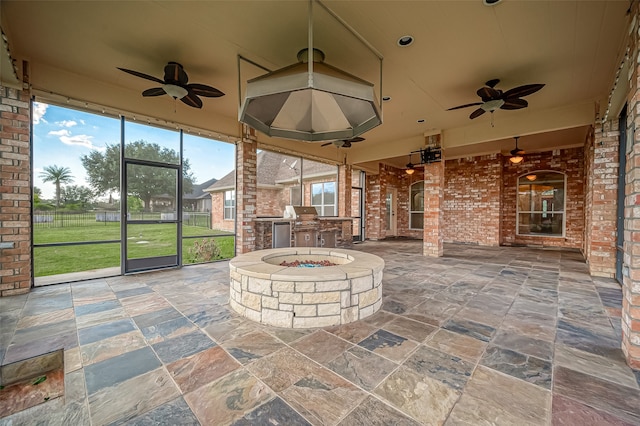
(61, 132)
(67, 123)
(81, 140)
(39, 110)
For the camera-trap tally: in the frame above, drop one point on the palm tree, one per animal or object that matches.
(58, 175)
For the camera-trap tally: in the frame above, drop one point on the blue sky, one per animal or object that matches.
(61, 136)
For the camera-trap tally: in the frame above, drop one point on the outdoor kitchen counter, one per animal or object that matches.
(328, 228)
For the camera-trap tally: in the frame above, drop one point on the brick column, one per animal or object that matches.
(246, 190)
(344, 190)
(433, 209)
(15, 189)
(631, 280)
(601, 213)
(631, 268)
(373, 211)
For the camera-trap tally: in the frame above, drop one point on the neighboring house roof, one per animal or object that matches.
(271, 170)
(198, 190)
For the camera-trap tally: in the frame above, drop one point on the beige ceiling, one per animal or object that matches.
(574, 47)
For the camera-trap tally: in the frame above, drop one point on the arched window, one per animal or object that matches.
(416, 208)
(541, 204)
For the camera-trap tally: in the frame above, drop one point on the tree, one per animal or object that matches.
(37, 193)
(58, 175)
(144, 182)
(77, 194)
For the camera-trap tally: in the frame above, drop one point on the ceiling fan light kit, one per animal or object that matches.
(311, 100)
(176, 92)
(516, 153)
(493, 105)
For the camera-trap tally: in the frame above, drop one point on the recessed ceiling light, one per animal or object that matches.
(491, 2)
(386, 98)
(405, 41)
(421, 120)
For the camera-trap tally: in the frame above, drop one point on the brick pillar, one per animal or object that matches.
(15, 189)
(433, 209)
(246, 190)
(601, 213)
(631, 275)
(373, 211)
(631, 280)
(344, 190)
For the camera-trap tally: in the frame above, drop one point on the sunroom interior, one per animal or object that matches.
(435, 68)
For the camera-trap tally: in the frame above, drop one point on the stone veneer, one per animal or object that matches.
(292, 297)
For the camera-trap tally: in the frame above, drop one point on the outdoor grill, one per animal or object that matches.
(305, 226)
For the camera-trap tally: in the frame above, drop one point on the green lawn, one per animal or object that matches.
(143, 241)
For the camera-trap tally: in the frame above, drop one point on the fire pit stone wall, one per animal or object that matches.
(292, 297)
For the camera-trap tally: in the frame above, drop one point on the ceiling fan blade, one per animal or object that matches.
(204, 90)
(492, 83)
(465, 106)
(142, 75)
(488, 93)
(514, 103)
(520, 91)
(476, 113)
(192, 100)
(173, 72)
(352, 140)
(325, 144)
(155, 91)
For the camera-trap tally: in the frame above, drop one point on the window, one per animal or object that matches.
(295, 196)
(229, 205)
(323, 198)
(541, 204)
(416, 211)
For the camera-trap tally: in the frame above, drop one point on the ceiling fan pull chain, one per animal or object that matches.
(492, 119)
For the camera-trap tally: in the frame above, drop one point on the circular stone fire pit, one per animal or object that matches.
(298, 297)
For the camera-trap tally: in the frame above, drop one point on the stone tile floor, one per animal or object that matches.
(511, 336)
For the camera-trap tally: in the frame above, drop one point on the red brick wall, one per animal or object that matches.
(271, 201)
(601, 194)
(374, 204)
(217, 213)
(588, 193)
(344, 191)
(568, 161)
(472, 196)
(433, 209)
(631, 275)
(15, 192)
(479, 199)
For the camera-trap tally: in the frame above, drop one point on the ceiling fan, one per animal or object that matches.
(493, 98)
(175, 85)
(344, 143)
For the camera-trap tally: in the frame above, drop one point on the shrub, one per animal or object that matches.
(204, 251)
